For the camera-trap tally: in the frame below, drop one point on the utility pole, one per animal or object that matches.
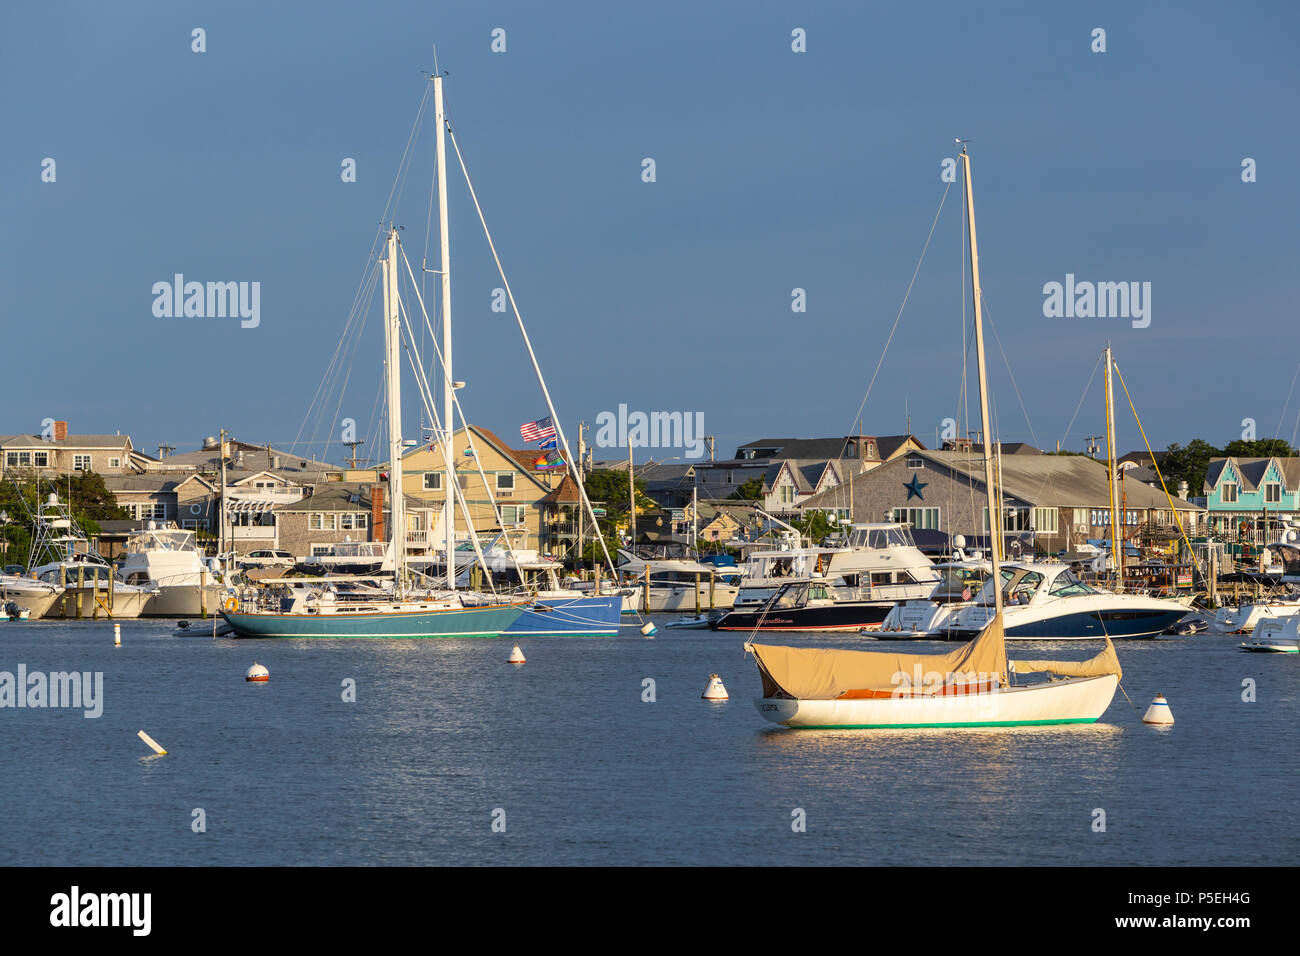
(352, 459)
(582, 457)
(1092, 444)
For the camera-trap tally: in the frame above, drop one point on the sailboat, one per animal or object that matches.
(324, 611)
(967, 687)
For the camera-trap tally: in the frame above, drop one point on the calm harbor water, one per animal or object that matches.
(442, 733)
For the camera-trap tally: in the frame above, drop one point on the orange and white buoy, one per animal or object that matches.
(1158, 712)
(714, 690)
(516, 656)
(257, 674)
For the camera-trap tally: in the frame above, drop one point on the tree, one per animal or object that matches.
(1189, 464)
(814, 526)
(1262, 448)
(751, 490)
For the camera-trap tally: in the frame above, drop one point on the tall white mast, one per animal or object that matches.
(1116, 519)
(448, 453)
(995, 507)
(393, 380)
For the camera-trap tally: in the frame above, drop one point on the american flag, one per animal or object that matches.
(542, 430)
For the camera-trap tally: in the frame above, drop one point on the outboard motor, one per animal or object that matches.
(12, 610)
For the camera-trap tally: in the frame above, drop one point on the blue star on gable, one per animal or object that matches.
(914, 487)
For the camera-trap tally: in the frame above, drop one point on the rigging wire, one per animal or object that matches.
(903, 305)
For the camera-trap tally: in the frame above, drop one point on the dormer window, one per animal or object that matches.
(1272, 493)
(915, 463)
(1229, 495)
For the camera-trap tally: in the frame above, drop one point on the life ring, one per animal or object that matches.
(196, 509)
(232, 603)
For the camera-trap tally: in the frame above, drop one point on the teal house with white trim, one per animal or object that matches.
(1248, 496)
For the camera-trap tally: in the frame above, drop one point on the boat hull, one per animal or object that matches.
(185, 600)
(125, 604)
(453, 622)
(1073, 701)
(592, 616)
(1081, 626)
(828, 617)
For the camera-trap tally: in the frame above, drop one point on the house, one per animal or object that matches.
(335, 512)
(788, 482)
(1247, 497)
(189, 501)
(871, 450)
(62, 454)
(520, 481)
(1063, 500)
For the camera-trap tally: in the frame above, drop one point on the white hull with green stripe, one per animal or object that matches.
(1077, 700)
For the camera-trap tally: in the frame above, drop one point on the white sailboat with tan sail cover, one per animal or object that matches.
(971, 686)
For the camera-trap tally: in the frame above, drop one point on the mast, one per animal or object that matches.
(449, 475)
(393, 405)
(1116, 547)
(631, 495)
(995, 510)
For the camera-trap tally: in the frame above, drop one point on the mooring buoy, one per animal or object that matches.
(516, 656)
(1158, 712)
(257, 674)
(714, 690)
(648, 629)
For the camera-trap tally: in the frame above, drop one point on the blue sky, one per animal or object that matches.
(775, 170)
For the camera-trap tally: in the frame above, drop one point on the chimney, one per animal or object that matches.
(376, 512)
(60, 431)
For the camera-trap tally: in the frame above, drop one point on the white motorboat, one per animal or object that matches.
(1243, 618)
(931, 619)
(35, 597)
(168, 560)
(1050, 602)
(1276, 635)
(89, 588)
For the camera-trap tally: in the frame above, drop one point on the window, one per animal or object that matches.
(318, 521)
(345, 521)
(41, 459)
(1015, 519)
(1272, 492)
(361, 521)
(15, 458)
(81, 463)
(115, 463)
(155, 510)
(433, 481)
(512, 515)
(787, 495)
(927, 518)
(1229, 495)
(916, 463)
(1044, 520)
(1080, 516)
(505, 481)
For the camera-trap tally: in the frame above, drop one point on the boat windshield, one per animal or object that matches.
(890, 536)
(790, 596)
(1018, 586)
(1067, 584)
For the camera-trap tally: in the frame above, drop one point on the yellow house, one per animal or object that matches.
(517, 486)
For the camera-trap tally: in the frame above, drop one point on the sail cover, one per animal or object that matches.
(809, 673)
(1107, 662)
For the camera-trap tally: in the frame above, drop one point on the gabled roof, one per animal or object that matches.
(340, 496)
(1046, 481)
(155, 484)
(25, 441)
(1252, 472)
